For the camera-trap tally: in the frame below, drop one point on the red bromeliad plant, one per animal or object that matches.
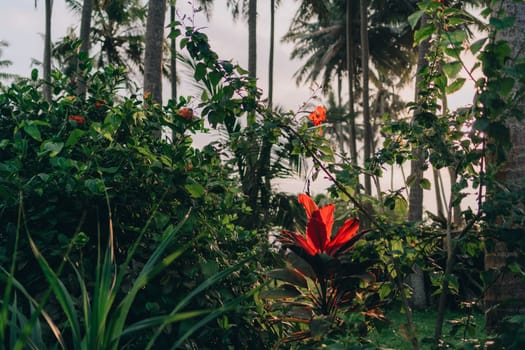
(324, 279)
(319, 229)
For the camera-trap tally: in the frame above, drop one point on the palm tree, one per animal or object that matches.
(117, 33)
(47, 52)
(153, 52)
(329, 39)
(173, 53)
(273, 4)
(85, 29)
(350, 70)
(417, 165)
(365, 91)
(248, 9)
(506, 295)
(415, 200)
(252, 38)
(5, 63)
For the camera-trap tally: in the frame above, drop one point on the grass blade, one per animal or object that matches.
(34, 304)
(206, 284)
(148, 271)
(61, 293)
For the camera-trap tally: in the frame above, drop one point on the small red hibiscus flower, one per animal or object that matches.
(186, 113)
(99, 103)
(76, 118)
(318, 116)
(319, 230)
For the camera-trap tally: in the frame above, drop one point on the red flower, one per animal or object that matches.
(186, 113)
(99, 103)
(318, 116)
(76, 118)
(319, 229)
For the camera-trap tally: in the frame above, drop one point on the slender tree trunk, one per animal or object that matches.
(340, 124)
(153, 52)
(252, 38)
(456, 209)
(366, 108)
(173, 56)
(415, 200)
(270, 59)
(350, 69)
(47, 52)
(437, 190)
(85, 29)
(506, 296)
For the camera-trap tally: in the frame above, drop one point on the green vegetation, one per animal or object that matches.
(113, 236)
(461, 331)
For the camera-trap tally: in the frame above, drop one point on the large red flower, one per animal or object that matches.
(319, 230)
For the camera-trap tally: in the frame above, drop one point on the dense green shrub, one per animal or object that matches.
(63, 164)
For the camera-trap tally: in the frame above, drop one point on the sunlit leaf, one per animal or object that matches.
(288, 275)
(455, 85)
(196, 190)
(283, 291)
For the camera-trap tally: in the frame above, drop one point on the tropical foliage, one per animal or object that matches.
(113, 237)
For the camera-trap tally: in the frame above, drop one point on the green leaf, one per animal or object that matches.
(456, 38)
(481, 124)
(451, 69)
(32, 130)
(53, 148)
(477, 45)
(424, 33)
(505, 86)
(425, 184)
(455, 86)
(200, 71)
(196, 190)
(502, 23)
(34, 74)
(94, 185)
(60, 292)
(384, 291)
(290, 276)
(414, 18)
(283, 291)
(440, 81)
(74, 137)
(300, 264)
(214, 77)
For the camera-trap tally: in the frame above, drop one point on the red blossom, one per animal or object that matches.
(76, 118)
(319, 230)
(99, 103)
(186, 113)
(318, 116)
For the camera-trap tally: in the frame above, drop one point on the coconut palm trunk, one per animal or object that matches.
(85, 29)
(506, 296)
(366, 107)
(350, 70)
(415, 200)
(271, 54)
(252, 38)
(47, 52)
(173, 53)
(153, 53)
